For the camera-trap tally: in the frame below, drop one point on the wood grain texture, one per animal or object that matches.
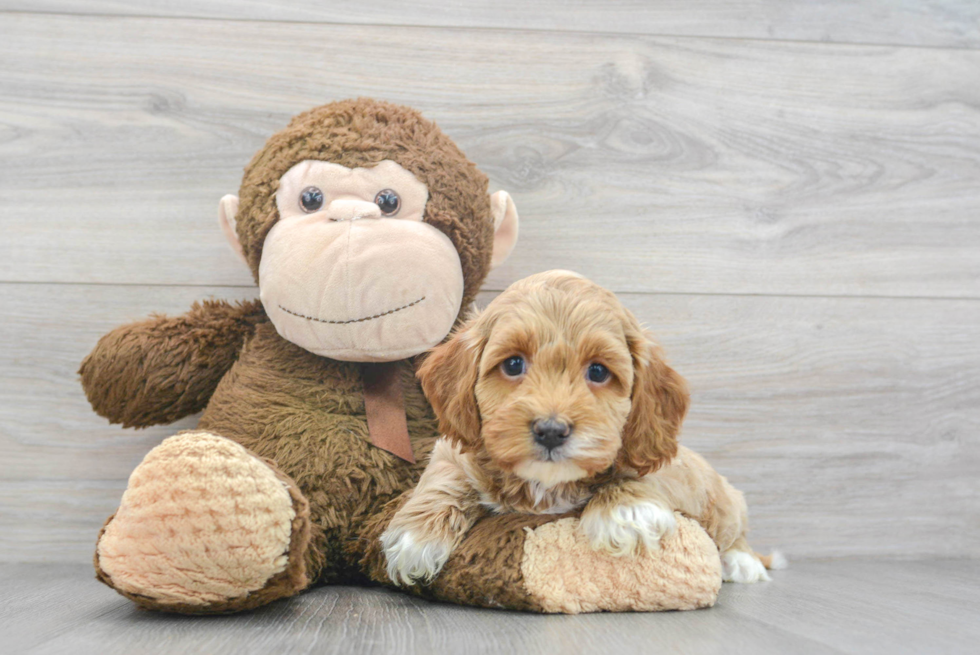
(681, 165)
(813, 607)
(850, 424)
(950, 23)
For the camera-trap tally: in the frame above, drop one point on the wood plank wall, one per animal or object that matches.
(788, 193)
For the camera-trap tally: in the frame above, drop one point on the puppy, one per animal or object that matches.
(552, 399)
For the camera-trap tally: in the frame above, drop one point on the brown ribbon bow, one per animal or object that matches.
(385, 407)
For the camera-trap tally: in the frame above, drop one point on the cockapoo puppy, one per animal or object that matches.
(552, 399)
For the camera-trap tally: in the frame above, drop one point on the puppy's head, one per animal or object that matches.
(557, 381)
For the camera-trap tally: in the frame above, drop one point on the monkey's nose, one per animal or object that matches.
(550, 432)
(351, 210)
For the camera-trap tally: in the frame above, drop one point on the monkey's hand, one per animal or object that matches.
(159, 370)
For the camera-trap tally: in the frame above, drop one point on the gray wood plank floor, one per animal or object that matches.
(844, 606)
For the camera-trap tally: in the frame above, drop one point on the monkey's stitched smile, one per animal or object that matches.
(353, 320)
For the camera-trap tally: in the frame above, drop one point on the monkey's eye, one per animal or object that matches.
(311, 198)
(597, 373)
(388, 201)
(513, 367)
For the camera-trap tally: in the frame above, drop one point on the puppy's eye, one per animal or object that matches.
(388, 202)
(597, 373)
(311, 198)
(513, 367)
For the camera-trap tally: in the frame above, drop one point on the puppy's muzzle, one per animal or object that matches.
(551, 432)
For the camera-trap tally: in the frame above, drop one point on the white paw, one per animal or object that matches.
(411, 560)
(628, 529)
(739, 566)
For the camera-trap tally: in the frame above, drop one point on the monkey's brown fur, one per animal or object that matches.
(157, 371)
(362, 133)
(302, 414)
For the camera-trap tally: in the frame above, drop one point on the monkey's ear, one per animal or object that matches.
(227, 208)
(504, 226)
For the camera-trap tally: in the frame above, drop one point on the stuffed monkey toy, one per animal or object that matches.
(369, 234)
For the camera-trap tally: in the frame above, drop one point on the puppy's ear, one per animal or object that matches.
(660, 398)
(448, 376)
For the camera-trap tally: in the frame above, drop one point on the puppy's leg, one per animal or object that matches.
(627, 517)
(426, 530)
(740, 564)
(694, 488)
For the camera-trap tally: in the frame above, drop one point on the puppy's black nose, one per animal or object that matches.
(550, 433)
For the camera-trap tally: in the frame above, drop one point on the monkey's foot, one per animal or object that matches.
(563, 572)
(546, 564)
(205, 527)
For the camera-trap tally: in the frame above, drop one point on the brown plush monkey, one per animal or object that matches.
(369, 234)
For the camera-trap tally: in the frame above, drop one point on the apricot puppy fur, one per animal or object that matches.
(552, 399)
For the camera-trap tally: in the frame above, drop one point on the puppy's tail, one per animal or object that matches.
(773, 561)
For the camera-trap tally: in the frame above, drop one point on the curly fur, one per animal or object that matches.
(620, 431)
(561, 321)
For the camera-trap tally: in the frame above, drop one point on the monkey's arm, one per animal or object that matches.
(162, 369)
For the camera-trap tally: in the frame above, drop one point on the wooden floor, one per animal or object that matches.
(843, 606)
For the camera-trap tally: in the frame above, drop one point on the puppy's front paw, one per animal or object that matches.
(627, 529)
(740, 566)
(412, 559)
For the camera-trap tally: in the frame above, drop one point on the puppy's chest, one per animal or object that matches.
(528, 497)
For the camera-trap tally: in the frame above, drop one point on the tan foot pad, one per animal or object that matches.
(202, 524)
(562, 573)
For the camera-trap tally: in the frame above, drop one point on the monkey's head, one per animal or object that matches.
(367, 230)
